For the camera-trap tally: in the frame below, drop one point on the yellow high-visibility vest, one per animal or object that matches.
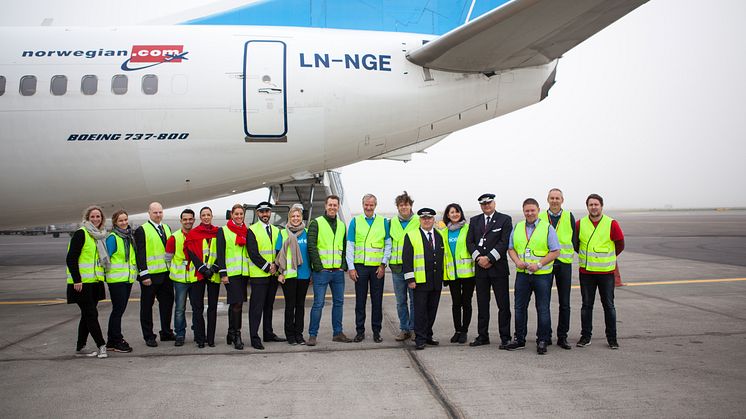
(369, 240)
(596, 250)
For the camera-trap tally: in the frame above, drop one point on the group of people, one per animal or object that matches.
(463, 256)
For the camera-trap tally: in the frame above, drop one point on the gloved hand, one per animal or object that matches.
(215, 268)
(205, 271)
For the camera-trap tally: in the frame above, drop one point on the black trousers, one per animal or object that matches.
(197, 300)
(269, 304)
(562, 273)
(256, 306)
(163, 289)
(119, 292)
(366, 278)
(462, 291)
(295, 291)
(89, 324)
(425, 310)
(500, 288)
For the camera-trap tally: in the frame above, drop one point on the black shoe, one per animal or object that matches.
(273, 338)
(504, 345)
(299, 338)
(541, 347)
(613, 344)
(462, 337)
(179, 341)
(583, 342)
(229, 337)
(122, 346)
(419, 346)
(548, 342)
(257, 345)
(359, 337)
(456, 336)
(211, 344)
(377, 338)
(562, 343)
(237, 342)
(480, 342)
(432, 342)
(167, 336)
(515, 345)
(291, 340)
(200, 345)
(151, 342)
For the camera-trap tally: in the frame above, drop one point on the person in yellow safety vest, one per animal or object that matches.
(182, 274)
(533, 247)
(326, 250)
(87, 259)
(233, 266)
(294, 268)
(399, 226)
(150, 253)
(598, 241)
(121, 274)
(459, 270)
(423, 264)
(260, 245)
(201, 248)
(368, 235)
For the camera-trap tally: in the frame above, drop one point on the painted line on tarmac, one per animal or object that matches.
(391, 294)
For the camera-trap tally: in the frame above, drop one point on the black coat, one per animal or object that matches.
(496, 239)
(434, 262)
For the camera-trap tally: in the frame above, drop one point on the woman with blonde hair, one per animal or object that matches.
(294, 267)
(119, 277)
(87, 259)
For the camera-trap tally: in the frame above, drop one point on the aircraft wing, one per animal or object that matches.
(521, 33)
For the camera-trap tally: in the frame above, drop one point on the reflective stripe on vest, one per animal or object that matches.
(564, 235)
(181, 269)
(266, 247)
(155, 251)
(330, 244)
(538, 245)
(209, 256)
(236, 258)
(369, 240)
(122, 270)
(596, 250)
(397, 236)
(89, 266)
(463, 265)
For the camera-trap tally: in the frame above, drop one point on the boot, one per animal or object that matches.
(237, 342)
(229, 337)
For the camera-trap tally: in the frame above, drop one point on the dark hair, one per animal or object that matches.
(530, 201)
(594, 196)
(403, 199)
(205, 208)
(329, 197)
(448, 209)
(116, 215)
(186, 211)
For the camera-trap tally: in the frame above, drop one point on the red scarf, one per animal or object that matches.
(193, 240)
(239, 231)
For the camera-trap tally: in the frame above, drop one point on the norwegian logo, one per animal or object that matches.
(146, 56)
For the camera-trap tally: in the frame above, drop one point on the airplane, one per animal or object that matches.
(265, 94)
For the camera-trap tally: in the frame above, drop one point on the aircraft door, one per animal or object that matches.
(264, 91)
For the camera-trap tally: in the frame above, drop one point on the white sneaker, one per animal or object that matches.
(86, 351)
(102, 352)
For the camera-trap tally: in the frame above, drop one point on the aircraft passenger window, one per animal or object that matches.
(119, 84)
(28, 85)
(150, 84)
(2, 85)
(59, 85)
(89, 84)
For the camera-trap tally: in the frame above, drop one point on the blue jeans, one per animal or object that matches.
(402, 291)
(541, 285)
(605, 285)
(336, 281)
(180, 295)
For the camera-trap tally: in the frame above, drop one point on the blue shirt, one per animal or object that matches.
(452, 239)
(111, 245)
(304, 269)
(350, 255)
(552, 241)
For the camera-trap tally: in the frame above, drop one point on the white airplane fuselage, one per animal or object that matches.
(236, 108)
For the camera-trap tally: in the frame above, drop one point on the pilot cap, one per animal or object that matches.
(486, 198)
(426, 213)
(264, 206)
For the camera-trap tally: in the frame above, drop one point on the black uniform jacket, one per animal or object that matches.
(433, 261)
(495, 244)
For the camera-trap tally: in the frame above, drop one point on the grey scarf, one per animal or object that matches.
(100, 237)
(129, 239)
(456, 226)
(291, 243)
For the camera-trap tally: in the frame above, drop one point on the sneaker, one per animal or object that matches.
(122, 346)
(341, 337)
(402, 336)
(86, 351)
(515, 345)
(613, 344)
(102, 352)
(583, 342)
(311, 341)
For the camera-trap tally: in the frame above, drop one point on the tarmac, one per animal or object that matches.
(681, 324)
